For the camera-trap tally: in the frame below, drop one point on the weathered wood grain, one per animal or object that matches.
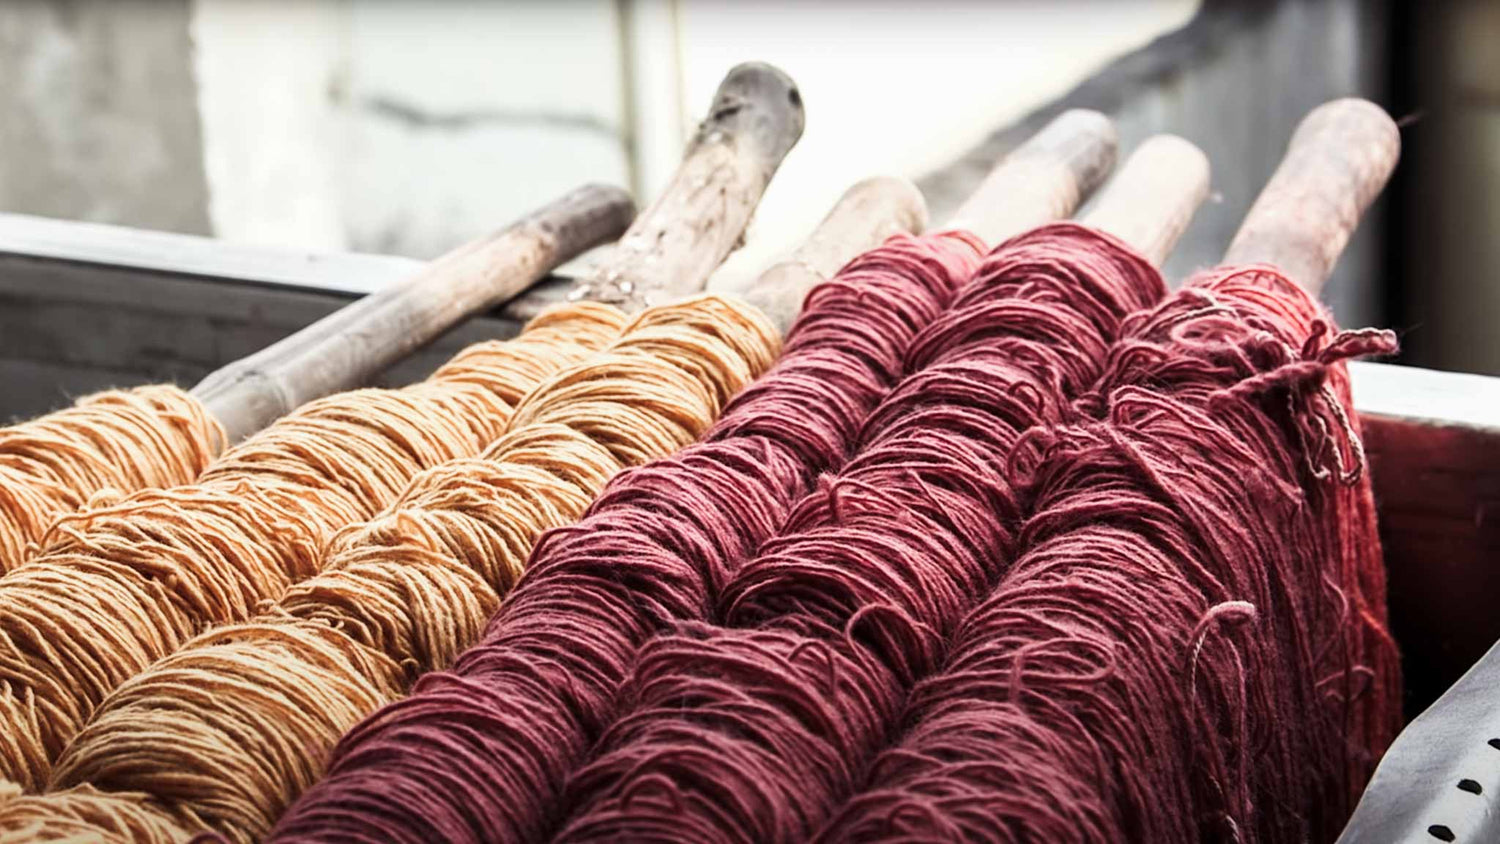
(1151, 200)
(344, 349)
(1043, 179)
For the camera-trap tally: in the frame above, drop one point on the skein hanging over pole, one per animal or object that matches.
(651, 552)
(1337, 161)
(756, 728)
(1189, 645)
(159, 436)
(404, 593)
(125, 585)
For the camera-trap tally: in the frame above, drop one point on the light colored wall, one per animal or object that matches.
(406, 127)
(97, 117)
(402, 127)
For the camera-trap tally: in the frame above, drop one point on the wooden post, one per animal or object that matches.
(864, 217)
(755, 119)
(1043, 179)
(344, 349)
(669, 251)
(1337, 162)
(1151, 201)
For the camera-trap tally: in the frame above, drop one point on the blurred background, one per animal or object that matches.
(403, 127)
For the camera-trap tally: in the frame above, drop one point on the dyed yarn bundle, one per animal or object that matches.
(1189, 646)
(481, 753)
(119, 441)
(225, 732)
(82, 815)
(117, 587)
(755, 730)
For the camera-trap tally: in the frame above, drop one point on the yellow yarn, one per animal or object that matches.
(121, 585)
(118, 441)
(228, 731)
(83, 816)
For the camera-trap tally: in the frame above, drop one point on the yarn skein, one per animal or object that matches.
(115, 442)
(480, 753)
(118, 586)
(82, 815)
(225, 732)
(755, 730)
(1190, 646)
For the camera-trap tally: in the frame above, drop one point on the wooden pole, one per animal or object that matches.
(1337, 162)
(1043, 179)
(755, 119)
(865, 216)
(669, 251)
(1151, 201)
(344, 349)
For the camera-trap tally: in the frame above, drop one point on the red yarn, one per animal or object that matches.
(1190, 646)
(755, 731)
(1088, 577)
(481, 753)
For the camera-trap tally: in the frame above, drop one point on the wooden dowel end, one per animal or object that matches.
(867, 214)
(1151, 200)
(755, 119)
(1043, 179)
(1336, 164)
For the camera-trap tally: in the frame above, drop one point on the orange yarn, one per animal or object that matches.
(120, 441)
(226, 732)
(117, 587)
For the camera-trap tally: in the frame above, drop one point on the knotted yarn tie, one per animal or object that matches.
(1328, 436)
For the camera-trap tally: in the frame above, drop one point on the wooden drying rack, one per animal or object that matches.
(88, 306)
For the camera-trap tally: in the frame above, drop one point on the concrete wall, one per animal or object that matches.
(98, 113)
(402, 127)
(406, 127)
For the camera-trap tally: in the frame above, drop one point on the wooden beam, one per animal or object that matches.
(865, 215)
(1151, 201)
(346, 348)
(1043, 179)
(1338, 160)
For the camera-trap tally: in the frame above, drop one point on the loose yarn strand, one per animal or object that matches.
(480, 753)
(122, 584)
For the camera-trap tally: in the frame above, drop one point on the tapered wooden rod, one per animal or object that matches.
(1151, 200)
(1338, 160)
(1043, 179)
(864, 217)
(346, 348)
(755, 119)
